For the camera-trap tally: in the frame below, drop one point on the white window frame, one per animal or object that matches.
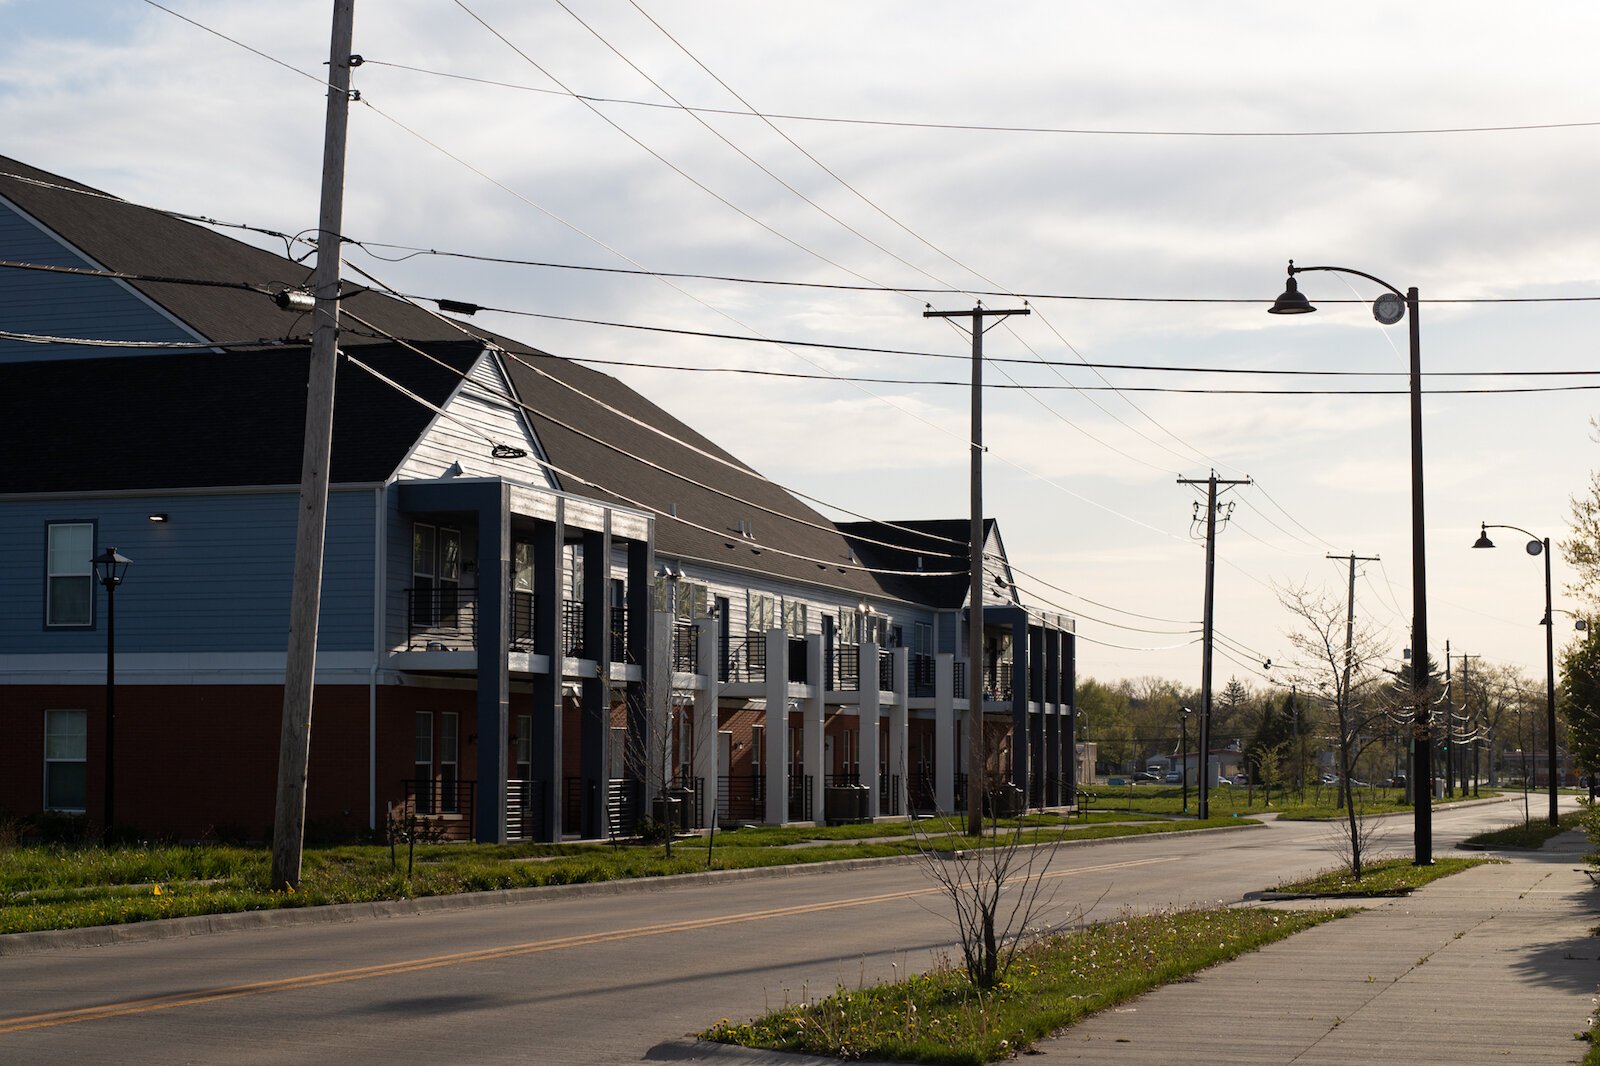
(55, 756)
(422, 760)
(449, 761)
(66, 568)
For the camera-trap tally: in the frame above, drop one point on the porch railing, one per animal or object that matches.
(524, 809)
(888, 794)
(921, 794)
(885, 673)
(801, 795)
(742, 798)
(920, 675)
(446, 807)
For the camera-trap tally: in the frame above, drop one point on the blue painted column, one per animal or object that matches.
(595, 687)
(1053, 711)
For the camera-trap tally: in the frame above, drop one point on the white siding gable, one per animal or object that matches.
(482, 406)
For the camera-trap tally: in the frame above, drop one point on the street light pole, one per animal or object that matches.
(1388, 309)
(1537, 546)
(1183, 720)
(109, 568)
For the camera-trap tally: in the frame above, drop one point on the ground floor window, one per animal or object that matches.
(66, 756)
(423, 763)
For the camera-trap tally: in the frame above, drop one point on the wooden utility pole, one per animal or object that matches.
(976, 755)
(300, 664)
(1466, 715)
(1203, 803)
(1345, 769)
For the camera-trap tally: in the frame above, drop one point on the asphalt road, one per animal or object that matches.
(595, 979)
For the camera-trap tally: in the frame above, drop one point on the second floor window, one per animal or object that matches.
(69, 575)
(762, 612)
(794, 617)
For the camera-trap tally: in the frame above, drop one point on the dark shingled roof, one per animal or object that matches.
(201, 419)
(932, 548)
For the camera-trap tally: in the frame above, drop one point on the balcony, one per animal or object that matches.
(446, 619)
(442, 619)
(685, 648)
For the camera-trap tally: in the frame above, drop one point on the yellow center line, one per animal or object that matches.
(362, 973)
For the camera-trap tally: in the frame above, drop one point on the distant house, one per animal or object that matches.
(546, 602)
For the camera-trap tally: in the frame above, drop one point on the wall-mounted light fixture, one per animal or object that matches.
(159, 517)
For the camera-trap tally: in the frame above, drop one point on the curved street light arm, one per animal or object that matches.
(1293, 270)
(1519, 529)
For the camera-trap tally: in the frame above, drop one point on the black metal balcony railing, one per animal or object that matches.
(444, 808)
(619, 635)
(524, 629)
(885, 673)
(572, 630)
(840, 780)
(848, 665)
(960, 680)
(798, 669)
(921, 791)
(997, 683)
(920, 675)
(748, 662)
(441, 619)
(685, 648)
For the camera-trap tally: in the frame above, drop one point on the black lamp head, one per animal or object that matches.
(1483, 540)
(1292, 302)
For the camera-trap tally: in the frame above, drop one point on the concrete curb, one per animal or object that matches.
(332, 914)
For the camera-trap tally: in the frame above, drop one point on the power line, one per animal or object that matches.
(967, 127)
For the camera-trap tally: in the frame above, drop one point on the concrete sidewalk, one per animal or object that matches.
(1495, 965)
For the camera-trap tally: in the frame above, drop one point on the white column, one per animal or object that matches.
(944, 732)
(777, 768)
(707, 656)
(869, 715)
(811, 732)
(900, 728)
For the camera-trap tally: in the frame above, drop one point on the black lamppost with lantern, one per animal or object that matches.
(109, 568)
(1539, 546)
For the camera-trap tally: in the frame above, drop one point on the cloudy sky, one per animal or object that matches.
(1164, 159)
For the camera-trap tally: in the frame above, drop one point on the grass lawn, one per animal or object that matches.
(1528, 837)
(1310, 803)
(58, 887)
(1386, 877)
(1059, 980)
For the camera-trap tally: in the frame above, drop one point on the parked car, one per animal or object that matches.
(1143, 777)
(1241, 779)
(1174, 777)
